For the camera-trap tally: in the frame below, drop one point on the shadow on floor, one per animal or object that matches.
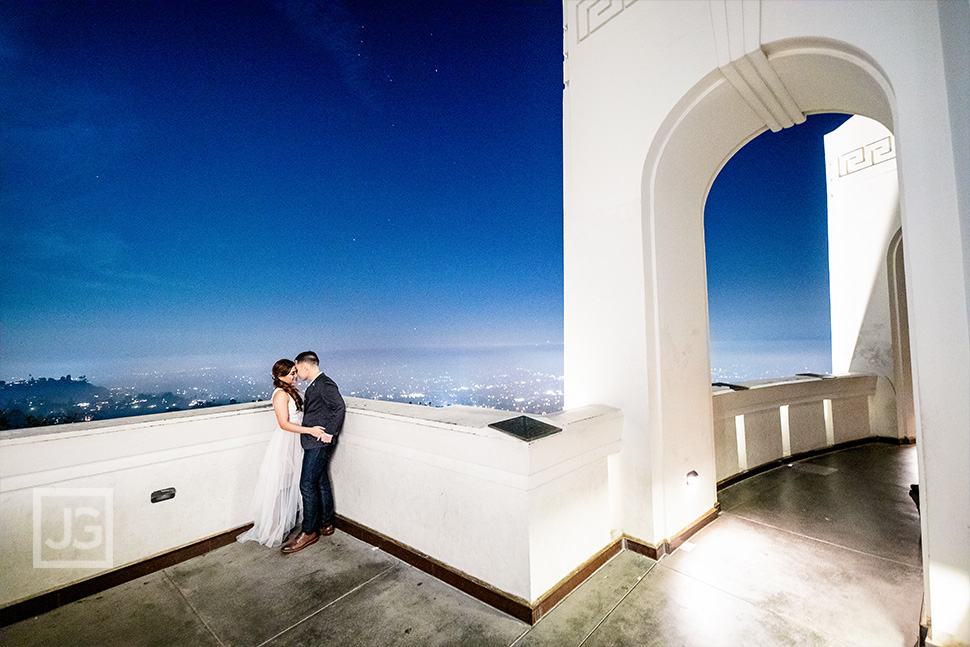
(822, 552)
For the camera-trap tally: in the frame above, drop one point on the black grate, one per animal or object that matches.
(525, 428)
(733, 387)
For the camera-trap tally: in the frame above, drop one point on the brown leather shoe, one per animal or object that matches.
(302, 541)
(293, 534)
(326, 531)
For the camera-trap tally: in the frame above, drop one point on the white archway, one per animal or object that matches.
(712, 122)
(657, 96)
(899, 321)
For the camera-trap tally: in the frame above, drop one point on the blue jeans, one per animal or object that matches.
(318, 510)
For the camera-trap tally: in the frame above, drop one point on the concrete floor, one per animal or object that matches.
(823, 552)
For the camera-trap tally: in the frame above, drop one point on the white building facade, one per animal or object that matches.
(658, 96)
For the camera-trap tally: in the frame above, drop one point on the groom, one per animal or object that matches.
(323, 406)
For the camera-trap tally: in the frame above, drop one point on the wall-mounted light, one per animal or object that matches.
(692, 476)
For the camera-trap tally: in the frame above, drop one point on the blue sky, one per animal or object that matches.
(192, 178)
(209, 179)
(766, 240)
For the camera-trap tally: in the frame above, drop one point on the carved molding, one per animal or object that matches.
(737, 42)
(756, 80)
(593, 14)
(863, 157)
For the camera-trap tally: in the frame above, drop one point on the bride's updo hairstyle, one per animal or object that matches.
(280, 369)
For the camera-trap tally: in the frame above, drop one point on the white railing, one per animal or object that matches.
(102, 474)
(516, 515)
(774, 420)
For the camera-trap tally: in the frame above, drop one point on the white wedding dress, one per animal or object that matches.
(277, 504)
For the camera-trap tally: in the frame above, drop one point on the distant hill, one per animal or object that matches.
(51, 391)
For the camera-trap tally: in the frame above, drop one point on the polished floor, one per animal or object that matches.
(820, 552)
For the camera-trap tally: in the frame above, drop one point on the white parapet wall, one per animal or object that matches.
(211, 457)
(775, 420)
(517, 515)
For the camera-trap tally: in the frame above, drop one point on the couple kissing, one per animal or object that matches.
(294, 476)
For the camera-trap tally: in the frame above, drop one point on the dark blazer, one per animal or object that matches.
(322, 405)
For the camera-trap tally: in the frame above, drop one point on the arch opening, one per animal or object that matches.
(766, 249)
(703, 131)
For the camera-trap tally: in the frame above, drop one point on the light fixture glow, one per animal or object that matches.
(692, 476)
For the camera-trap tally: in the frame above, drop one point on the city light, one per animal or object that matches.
(51, 401)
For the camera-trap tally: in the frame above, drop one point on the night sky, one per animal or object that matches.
(766, 239)
(192, 180)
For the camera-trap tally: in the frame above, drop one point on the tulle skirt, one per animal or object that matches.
(277, 504)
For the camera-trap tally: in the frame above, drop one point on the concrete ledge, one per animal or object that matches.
(59, 597)
(486, 504)
(519, 517)
(109, 425)
(509, 604)
(773, 420)
(210, 458)
(512, 605)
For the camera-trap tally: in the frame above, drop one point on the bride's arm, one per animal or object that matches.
(281, 408)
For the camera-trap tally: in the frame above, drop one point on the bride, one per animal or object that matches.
(277, 503)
